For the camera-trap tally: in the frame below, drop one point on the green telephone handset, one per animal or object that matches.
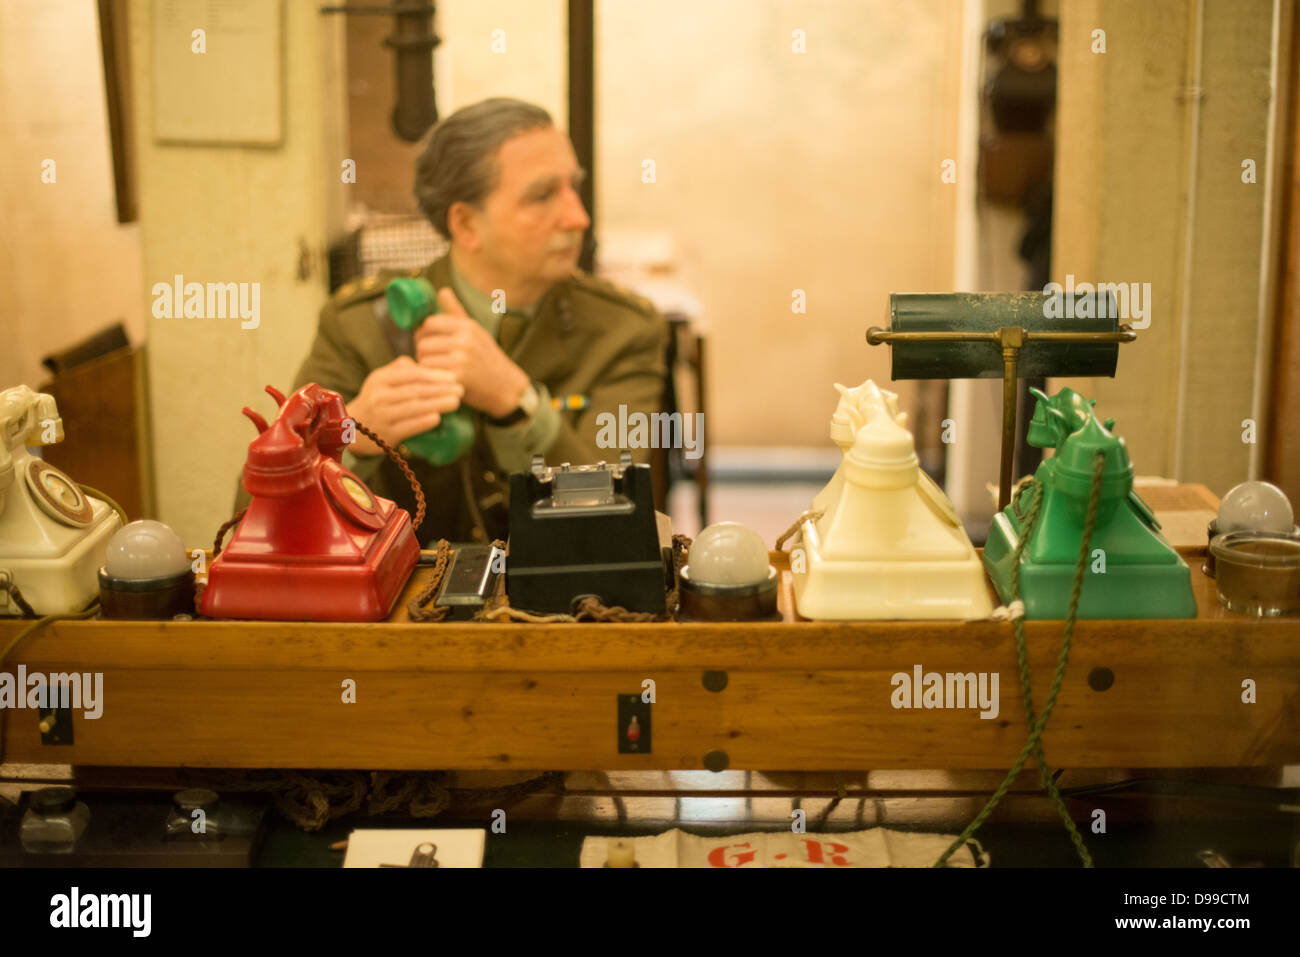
(410, 302)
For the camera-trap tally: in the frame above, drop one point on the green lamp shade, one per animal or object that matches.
(990, 311)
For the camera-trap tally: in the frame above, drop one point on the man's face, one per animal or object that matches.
(531, 225)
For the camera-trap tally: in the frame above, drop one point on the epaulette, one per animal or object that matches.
(357, 290)
(368, 287)
(607, 290)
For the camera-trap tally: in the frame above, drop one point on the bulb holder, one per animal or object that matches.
(752, 602)
(1212, 529)
(1258, 573)
(158, 599)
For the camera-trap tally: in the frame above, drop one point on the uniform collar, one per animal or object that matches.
(478, 304)
(440, 273)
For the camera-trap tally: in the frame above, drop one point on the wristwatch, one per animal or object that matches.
(525, 410)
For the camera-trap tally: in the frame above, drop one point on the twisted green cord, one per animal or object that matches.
(1044, 775)
(1034, 744)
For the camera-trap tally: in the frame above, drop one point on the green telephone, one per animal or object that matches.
(1133, 572)
(410, 302)
(53, 536)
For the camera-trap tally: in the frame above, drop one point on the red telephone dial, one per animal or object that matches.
(315, 543)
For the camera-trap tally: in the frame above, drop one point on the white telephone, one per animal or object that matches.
(888, 543)
(53, 537)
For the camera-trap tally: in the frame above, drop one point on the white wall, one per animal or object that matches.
(1152, 135)
(779, 171)
(67, 268)
(234, 214)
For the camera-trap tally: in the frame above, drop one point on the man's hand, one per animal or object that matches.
(454, 343)
(400, 400)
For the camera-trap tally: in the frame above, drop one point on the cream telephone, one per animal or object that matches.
(53, 537)
(882, 540)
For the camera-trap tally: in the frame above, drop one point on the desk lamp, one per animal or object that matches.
(1133, 571)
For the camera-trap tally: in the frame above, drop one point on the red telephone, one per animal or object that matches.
(315, 543)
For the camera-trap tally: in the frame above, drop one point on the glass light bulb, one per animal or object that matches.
(146, 549)
(728, 553)
(1255, 507)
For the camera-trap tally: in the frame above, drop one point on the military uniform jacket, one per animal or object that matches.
(587, 337)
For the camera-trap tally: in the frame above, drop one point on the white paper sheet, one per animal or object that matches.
(373, 847)
(231, 92)
(877, 847)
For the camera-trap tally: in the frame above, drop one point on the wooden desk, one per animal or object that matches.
(798, 695)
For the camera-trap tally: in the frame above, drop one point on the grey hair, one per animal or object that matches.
(458, 164)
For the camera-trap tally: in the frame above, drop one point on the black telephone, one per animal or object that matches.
(587, 530)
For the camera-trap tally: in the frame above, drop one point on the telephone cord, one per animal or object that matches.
(416, 608)
(406, 470)
(1048, 780)
(809, 515)
(1034, 744)
(106, 499)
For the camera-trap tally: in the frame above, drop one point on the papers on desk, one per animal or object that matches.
(878, 847)
(377, 847)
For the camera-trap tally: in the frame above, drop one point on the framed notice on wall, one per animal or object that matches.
(218, 71)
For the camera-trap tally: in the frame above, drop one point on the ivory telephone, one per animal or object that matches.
(53, 536)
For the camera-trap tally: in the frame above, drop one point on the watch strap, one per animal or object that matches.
(520, 413)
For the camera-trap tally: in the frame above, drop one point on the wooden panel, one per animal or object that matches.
(800, 695)
(115, 44)
(105, 445)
